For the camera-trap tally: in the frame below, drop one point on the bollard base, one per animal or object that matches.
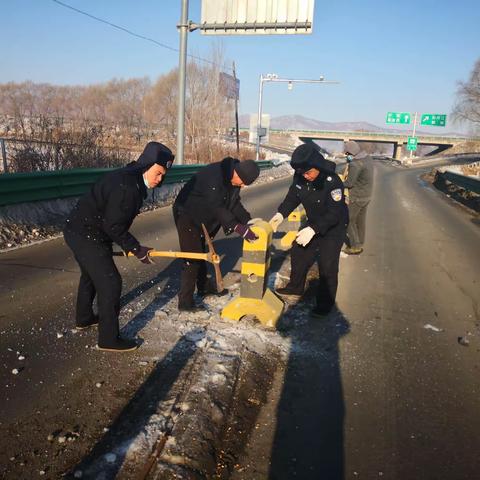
(268, 310)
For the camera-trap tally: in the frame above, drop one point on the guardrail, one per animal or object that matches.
(468, 183)
(33, 187)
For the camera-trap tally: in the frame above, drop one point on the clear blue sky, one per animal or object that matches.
(388, 55)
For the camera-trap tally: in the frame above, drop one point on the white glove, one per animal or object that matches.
(253, 221)
(275, 221)
(304, 236)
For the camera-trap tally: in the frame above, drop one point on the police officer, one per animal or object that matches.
(320, 191)
(359, 182)
(103, 216)
(211, 197)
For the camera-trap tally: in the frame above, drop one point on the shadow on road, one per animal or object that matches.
(308, 440)
(140, 414)
(38, 267)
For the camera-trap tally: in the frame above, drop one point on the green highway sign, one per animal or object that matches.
(398, 117)
(412, 143)
(434, 119)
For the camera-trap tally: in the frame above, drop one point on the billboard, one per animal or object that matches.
(256, 17)
(229, 86)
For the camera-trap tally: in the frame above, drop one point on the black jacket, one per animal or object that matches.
(107, 211)
(360, 179)
(323, 201)
(210, 198)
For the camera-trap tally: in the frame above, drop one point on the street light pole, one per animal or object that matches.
(259, 119)
(182, 75)
(272, 77)
(413, 133)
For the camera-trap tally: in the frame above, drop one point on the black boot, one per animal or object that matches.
(211, 292)
(191, 308)
(119, 345)
(93, 322)
(320, 313)
(289, 292)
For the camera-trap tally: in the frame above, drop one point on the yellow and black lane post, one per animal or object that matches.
(255, 298)
(343, 177)
(292, 226)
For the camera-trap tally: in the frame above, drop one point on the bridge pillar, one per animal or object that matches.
(397, 150)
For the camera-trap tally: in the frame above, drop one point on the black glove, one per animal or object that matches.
(141, 253)
(245, 232)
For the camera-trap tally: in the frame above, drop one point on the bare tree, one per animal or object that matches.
(161, 104)
(467, 107)
(68, 126)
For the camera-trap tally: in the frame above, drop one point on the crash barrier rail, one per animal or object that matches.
(32, 187)
(468, 183)
(255, 298)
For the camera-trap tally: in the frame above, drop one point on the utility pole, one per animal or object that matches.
(182, 75)
(236, 109)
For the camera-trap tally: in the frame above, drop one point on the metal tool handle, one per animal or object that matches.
(216, 260)
(168, 254)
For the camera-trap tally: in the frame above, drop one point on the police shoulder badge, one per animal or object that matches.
(336, 194)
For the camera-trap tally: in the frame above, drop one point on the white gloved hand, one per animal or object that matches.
(275, 221)
(304, 236)
(253, 221)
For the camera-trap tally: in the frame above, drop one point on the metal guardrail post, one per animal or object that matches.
(4, 155)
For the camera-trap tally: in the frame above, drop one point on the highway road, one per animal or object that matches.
(381, 389)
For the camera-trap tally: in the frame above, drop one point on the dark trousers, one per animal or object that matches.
(357, 211)
(191, 239)
(326, 251)
(99, 277)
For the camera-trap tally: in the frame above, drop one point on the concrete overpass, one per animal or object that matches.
(397, 140)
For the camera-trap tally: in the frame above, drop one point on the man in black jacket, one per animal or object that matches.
(359, 182)
(103, 216)
(211, 197)
(317, 187)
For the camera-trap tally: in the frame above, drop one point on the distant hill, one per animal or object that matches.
(299, 122)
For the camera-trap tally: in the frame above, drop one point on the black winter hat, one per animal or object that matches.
(155, 152)
(247, 170)
(307, 156)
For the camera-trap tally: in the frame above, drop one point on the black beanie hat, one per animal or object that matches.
(155, 152)
(247, 170)
(305, 156)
